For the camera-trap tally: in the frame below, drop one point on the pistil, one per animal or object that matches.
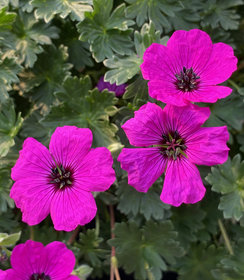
(187, 80)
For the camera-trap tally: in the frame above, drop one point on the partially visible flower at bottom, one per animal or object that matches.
(60, 181)
(33, 261)
(118, 90)
(172, 141)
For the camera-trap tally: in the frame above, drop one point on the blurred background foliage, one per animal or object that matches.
(52, 54)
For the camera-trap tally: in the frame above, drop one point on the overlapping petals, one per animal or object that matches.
(40, 189)
(212, 63)
(201, 145)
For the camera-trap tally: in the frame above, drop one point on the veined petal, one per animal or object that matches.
(182, 183)
(207, 146)
(95, 172)
(70, 144)
(34, 160)
(222, 63)
(33, 196)
(185, 119)
(60, 261)
(72, 207)
(192, 48)
(146, 128)
(144, 166)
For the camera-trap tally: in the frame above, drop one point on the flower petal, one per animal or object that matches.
(192, 48)
(3, 275)
(209, 94)
(222, 63)
(182, 183)
(95, 172)
(185, 119)
(166, 92)
(144, 166)
(70, 144)
(33, 196)
(159, 63)
(146, 128)
(34, 159)
(23, 265)
(60, 261)
(207, 146)
(72, 207)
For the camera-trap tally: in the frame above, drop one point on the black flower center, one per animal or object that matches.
(173, 146)
(39, 276)
(187, 80)
(61, 177)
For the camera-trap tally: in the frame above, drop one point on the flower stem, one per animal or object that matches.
(225, 236)
(234, 84)
(74, 235)
(149, 273)
(32, 233)
(114, 265)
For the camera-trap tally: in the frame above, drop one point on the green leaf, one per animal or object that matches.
(146, 250)
(200, 262)
(6, 19)
(132, 202)
(31, 34)
(106, 32)
(9, 126)
(47, 76)
(220, 13)
(47, 9)
(158, 11)
(188, 220)
(83, 107)
(9, 240)
(8, 75)
(5, 184)
(83, 271)
(228, 179)
(125, 68)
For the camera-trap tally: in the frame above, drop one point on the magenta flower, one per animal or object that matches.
(118, 90)
(33, 261)
(188, 69)
(3, 275)
(172, 141)
(60, 181)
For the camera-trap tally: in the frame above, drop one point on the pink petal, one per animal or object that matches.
(209, 94)
(182, 183)
(192, 48)
(159, 63)
(95, 172)
(72, 207)
(21, 262)
(73, 277)
(34, 160)
(222, 63)
(2, 275)
(185, 119)
(144, 166)
(69, 145)
(207, 146)
(146, 128)
(33, 196)
(60, 261)
(166, 92)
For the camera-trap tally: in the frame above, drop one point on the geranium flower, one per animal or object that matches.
(188, 68)
(3, 275)
(118, 90)
(172, 141)
(60, 181)
(33, 261)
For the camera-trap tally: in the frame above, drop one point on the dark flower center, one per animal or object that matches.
(61, 177)
(187, 80)
(173, 146)
(39, 276)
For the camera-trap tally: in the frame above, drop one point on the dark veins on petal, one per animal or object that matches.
(61, 177)
(173, 146)
(187, 80)
(39, 276)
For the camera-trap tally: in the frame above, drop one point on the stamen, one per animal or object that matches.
(187, 80)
